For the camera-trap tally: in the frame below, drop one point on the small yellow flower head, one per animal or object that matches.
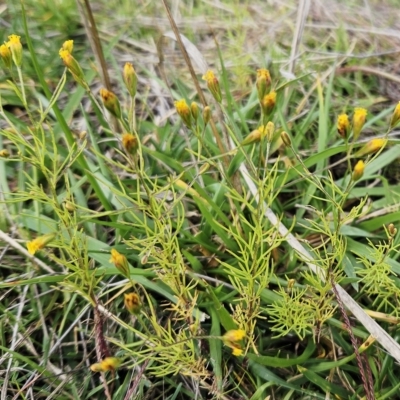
(39, 243)
(4, 153)
(15, 46)
(268, 103)
(132, 303)
(120, 261)
(206, 115)
(237, 351)
(343, 125)
(130, 143)
(68, 45)
(359, 117)
(72, 65)
(371, 147)
(263, 82)
(6, 56)
(194, 108)
(234, 335)
(130, 78)
(231, 339)
(395, 117)
(358, 171)
(108, 364)
(286, 139)
(184, 112)
(111, 102)
(213, 85)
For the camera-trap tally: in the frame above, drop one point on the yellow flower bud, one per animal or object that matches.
(72, 65)
(130, 79)
(39, 243)
(371, 147)
(395, 117)
(206, 115)
(268, 103)
(252, 137)
(6, 56)
(343, 125)
(132, 303)
(111, 102)
(358, 171)
(359, 117)
(268, 131)
(15, 46)
(213, 85)
(4, 153)
(194, 108)
(263, 82)
(108, 364)
(392, 230)
(68, 45)
(130, 143)
(184, 112)
(120, 262)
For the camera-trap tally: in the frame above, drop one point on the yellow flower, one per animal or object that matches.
(213, 85)
(359, 117)
(6, 56)
(234, 335)
(268, 103)
(263, 82)
(184, 112)
(15, 46)
(252, 137)
(358, 171)
(132, 303)
(371, 147)
(343, 125)
(396, 116)
(39, 243)
(108, 364)
(231, 339)
(130, 78)
(68, 45)
(72, 65)
(120, 261)
(237, 351)
(129, 142)
(111, 102)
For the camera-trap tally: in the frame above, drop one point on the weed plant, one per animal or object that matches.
(149, 266)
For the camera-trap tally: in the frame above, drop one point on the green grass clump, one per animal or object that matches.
(146, 260)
